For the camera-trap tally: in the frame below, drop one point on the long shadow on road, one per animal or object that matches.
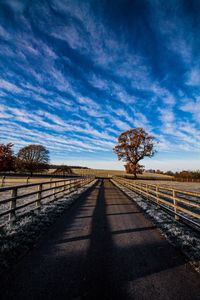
(99, 256)
(127, 258)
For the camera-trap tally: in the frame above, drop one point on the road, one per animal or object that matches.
(104, 247)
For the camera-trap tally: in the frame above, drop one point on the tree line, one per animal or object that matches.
(31, 158)
(184, 174)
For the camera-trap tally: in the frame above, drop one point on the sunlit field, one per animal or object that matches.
(188, 186)
(109, 173)
(12, 180)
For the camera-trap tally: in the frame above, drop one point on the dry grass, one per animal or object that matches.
(98, 172)
(12, 180)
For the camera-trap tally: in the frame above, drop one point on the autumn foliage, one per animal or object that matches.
(7, 158)
(133, 145)
(132, 169)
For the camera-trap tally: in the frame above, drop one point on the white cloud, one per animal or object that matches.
(9, 86)
(192, 107)
(167, 116)
(193, 77)
(4, 34)
(120, 124)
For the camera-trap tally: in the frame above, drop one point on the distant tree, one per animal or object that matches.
(150, 171)
(159, 171)
(7, 158)
(188, 175)
(196, 174)
(130, 168)
(33, 158)
(133, 145)
(170, 173)
(63, 170)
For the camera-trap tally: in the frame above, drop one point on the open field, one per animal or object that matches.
(109, 173)
(14, 180)
(186, 186)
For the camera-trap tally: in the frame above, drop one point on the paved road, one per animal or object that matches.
(104, 247)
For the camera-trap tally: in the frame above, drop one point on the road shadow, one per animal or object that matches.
(113, 263)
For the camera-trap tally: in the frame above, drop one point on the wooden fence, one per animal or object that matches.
(184, 204)
(6, 181)
(15, 200)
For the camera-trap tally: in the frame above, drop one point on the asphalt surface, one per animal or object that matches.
(104, 247)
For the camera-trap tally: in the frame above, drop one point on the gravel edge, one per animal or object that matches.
(16, 240)
(181, 236)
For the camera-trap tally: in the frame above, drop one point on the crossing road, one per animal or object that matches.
(103, 247)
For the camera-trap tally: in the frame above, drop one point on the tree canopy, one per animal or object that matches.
(33, 158)
(7, 158)
(133, 145)
(132, 169)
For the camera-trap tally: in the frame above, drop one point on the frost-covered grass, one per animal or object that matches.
(26, 200)
(17, 239)
(186, 186)
(179, 234)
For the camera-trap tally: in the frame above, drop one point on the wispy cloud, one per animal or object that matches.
(193, 77)
(192, 107)
(75, 75)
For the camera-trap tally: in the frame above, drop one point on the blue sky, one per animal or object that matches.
(75, 74)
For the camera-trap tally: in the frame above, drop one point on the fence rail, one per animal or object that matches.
(6, 181)
(14, 200)
(183, 204)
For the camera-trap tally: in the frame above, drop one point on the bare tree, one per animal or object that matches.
(7, 157)
(32, 158)
(133, 145)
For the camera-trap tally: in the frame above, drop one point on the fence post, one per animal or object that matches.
(65, 187)
(140, 189)
(147, 191)
(51, 182)
(75, 186)
(3, 181)
(157, 196)
(175, 204)
(69, 186)
(39, 196)
(54, 191)
(73, 182)
(12, 214)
